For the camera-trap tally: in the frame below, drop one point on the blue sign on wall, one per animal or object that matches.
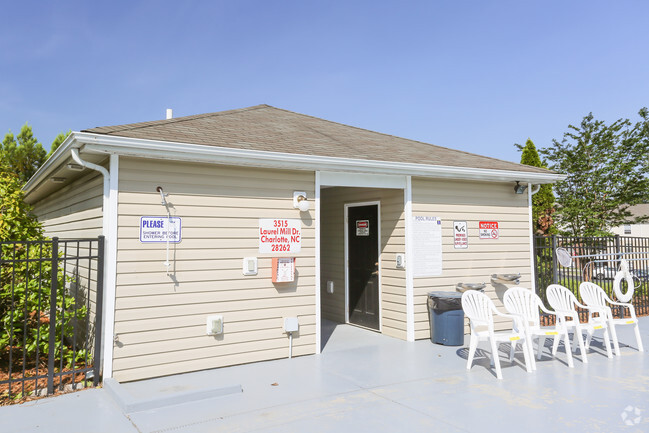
(159, 229)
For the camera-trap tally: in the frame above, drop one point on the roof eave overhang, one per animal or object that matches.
(142, 148)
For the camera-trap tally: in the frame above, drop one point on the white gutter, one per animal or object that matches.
(201, 153)
(109, 230)
(141, 148)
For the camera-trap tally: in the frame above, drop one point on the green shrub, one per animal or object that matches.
(25, 288)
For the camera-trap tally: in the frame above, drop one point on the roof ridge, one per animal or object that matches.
(149, 123)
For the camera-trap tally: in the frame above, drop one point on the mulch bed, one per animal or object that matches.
(36, 388)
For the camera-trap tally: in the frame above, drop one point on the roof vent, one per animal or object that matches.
(170, 113)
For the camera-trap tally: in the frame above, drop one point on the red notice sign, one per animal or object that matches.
(488, 229)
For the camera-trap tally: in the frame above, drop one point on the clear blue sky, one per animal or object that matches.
(471, 75)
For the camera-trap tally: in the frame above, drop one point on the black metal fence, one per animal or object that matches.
(50, 309)
(600, 265)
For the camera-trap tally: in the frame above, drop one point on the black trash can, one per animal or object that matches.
(446, 318)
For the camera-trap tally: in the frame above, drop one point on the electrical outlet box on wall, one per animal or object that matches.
(214, 325)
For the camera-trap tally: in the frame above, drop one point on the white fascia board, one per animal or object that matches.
(361, 180)
(136, 147)
(200, 153)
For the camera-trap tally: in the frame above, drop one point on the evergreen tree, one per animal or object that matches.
(58, 141)
(16, 220)
(22, 154)
(543, 201)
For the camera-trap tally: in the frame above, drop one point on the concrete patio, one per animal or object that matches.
(367, 382)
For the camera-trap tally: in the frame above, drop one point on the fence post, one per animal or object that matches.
(99, 305)
(52, 337)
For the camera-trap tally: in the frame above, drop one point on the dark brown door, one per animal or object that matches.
(363, 255)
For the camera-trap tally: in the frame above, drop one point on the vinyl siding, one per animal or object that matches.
(75, 212)
(332, 244)
(472, 202)
(160, 318)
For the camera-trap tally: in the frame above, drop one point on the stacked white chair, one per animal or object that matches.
(524, 302)
(480, 310)
(564, 304)
(594, 296)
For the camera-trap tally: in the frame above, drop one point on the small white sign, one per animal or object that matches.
(280, 235)
(285, 270)
(362, 227)
(159, 229)
(460, 235)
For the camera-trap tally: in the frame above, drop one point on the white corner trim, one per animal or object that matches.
(318, 303)
(410, 289)
(110, 273)
(532, 252)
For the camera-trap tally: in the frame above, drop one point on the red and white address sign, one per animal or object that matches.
(280, 235)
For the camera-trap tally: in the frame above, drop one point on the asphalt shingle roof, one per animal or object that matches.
(266, 128)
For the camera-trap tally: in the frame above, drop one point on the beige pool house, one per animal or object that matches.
(232, 236)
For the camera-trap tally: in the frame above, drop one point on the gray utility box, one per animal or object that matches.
(446, 318)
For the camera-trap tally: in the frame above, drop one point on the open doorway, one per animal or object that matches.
(362, 247)
(361, 232)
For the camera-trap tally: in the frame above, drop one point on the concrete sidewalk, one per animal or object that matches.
(364, 381)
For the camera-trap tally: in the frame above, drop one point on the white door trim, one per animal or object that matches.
(378, 246)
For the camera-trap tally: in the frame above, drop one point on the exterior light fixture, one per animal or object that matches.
(519, 189)
(300, 201)
(75, 167)
(58, 179)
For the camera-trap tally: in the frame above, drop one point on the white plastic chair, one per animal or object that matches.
(480, 309)
(564, 303)
(524, 302)
(593, 295)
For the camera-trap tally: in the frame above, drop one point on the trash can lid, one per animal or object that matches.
(441, 294)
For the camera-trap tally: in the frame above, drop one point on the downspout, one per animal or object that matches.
(106, 174)
(537, 188)
(107, 343)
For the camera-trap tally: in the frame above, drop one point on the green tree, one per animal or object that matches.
(25, 283)
(58, 141)
(606, 168)
(16, 220)
(543, 207)
(23, 154)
